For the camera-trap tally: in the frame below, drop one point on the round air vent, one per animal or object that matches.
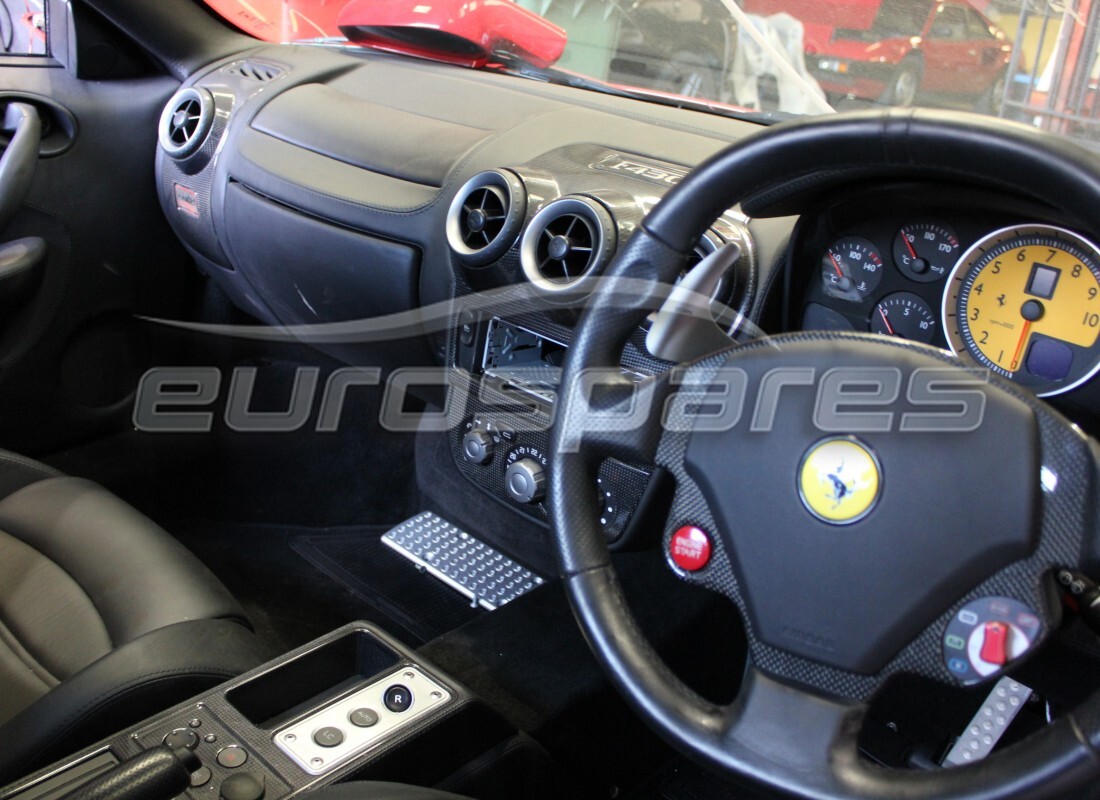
(566, 242)
(485, 217)
(186, 121)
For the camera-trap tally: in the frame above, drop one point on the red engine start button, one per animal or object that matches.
(689, 548)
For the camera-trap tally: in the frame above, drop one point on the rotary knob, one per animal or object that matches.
(477, 446)
(525, 481)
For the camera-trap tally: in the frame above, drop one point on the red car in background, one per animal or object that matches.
(895, 51)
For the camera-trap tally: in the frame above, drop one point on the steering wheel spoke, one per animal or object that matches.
(614, 416)
(795, 738)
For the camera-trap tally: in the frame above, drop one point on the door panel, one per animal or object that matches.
(71, 354)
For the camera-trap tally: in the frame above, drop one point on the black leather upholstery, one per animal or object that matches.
(104, 618)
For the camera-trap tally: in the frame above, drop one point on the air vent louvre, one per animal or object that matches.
(708, 243)
(567, 241)
(256, 71)
(565, 248)
(185, 122)
(485, 217)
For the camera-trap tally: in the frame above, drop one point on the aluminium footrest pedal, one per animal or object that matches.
(1004, 702)
(486, 576)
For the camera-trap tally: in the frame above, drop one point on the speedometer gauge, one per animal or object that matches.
(1025, 303)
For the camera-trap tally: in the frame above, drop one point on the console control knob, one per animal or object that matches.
(363, 717)
(398, 699)
(525, 481)
(242, 786)
(477, 446)
(328, 736)
(181, 737)
(994, 649)
(232, 756)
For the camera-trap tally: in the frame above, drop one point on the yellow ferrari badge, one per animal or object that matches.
(840, 480)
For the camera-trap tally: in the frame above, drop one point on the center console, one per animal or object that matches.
(528, 246)
(348, 704)
(503, 441)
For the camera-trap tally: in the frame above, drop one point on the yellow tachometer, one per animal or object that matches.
(1025, 302)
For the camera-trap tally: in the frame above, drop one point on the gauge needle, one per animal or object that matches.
(909, 245)
(1020, 345)
(836, 265)
(886, 321)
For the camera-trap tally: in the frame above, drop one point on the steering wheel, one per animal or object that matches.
(972, 490)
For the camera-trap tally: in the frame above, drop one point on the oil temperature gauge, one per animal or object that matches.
(925, 251)
(851, 269)
(905, 315)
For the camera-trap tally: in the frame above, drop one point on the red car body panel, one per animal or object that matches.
(282, 20)
(463, 32)
(490, 24)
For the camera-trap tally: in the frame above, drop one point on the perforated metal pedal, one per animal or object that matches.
(990, 723)
(486, 576)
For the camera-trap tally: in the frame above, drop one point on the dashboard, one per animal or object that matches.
(486, 223)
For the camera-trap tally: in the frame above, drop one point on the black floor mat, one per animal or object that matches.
(683, 780)
(298, 583)
(357, 559)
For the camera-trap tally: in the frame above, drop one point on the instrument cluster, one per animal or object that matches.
(892, 294)
(1001, 291)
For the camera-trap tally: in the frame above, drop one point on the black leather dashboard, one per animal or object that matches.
(379, 145)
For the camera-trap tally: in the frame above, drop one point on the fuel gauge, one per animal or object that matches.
(926, 251)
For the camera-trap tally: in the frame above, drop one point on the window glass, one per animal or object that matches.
(950, 23)
(1034, 61)
(23, 28)
(901, 18)
(976, 27)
